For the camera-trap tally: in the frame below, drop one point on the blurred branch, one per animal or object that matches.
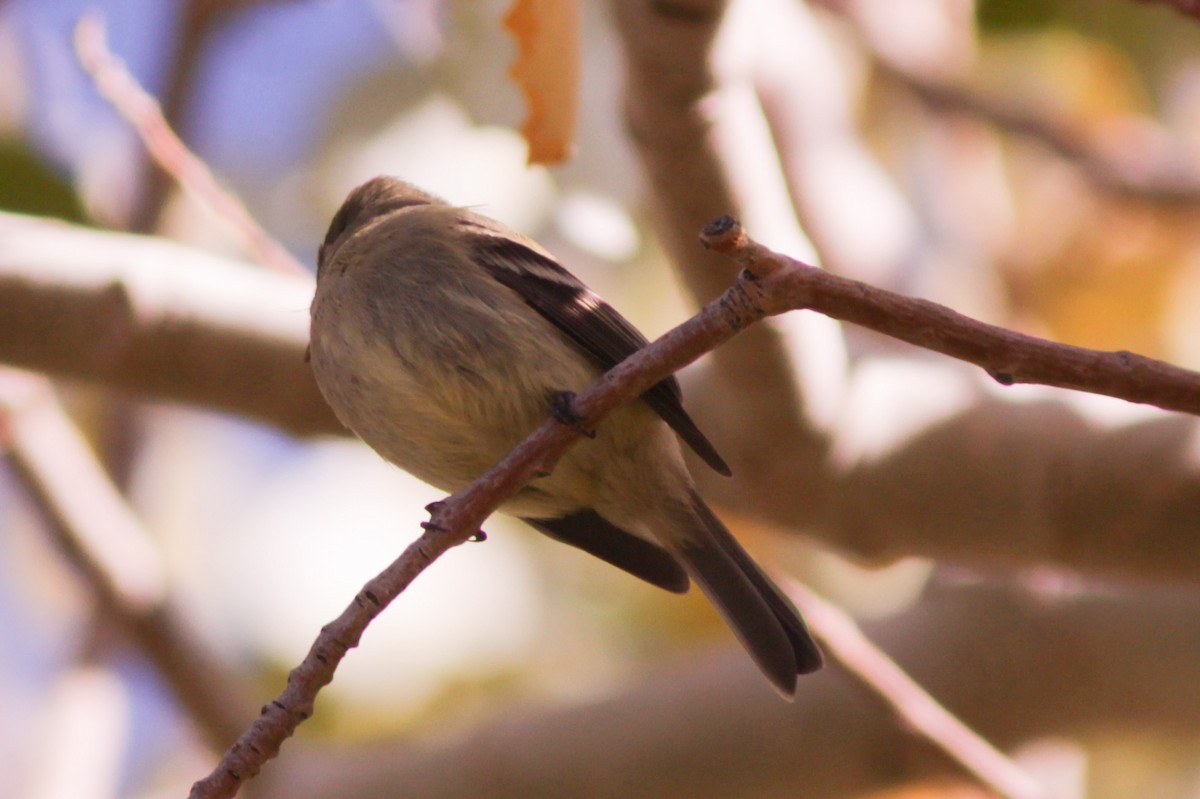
(667, 76)
(116, 85)
(1150, 171)
(984, 482)
(808, 97)
(158, 319)
(1145, 174)
(198, 20)
(106, 543)
(764, 432)
(1013, 666)
(852, 650)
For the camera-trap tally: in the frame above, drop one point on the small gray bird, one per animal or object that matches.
(441, 338)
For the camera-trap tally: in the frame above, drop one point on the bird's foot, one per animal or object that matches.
(562, 408)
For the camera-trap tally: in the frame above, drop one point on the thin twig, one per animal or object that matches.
(1007, 356)
(136, 106)
(197, 22)
(847, 644)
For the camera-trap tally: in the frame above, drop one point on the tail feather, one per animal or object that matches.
(761, 616)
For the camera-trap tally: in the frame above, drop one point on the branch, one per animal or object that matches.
(668, 77)
(104, 540)
(1150, 171)
(845, 642)
(802, 104)
(1161, 177)
(153, 318)
(198, 21)
(1008, 357)
(146, 316)
(143, 112)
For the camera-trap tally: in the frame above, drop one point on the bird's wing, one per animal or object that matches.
(589, 531)
(599, 330)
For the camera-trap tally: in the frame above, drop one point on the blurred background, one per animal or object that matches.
(1030, 556)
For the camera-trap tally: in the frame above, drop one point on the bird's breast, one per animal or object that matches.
(443, 384)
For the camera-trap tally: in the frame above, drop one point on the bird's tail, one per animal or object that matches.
(763, 619)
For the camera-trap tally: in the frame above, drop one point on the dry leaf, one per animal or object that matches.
(547, 70)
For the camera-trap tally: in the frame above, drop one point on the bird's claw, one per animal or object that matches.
(562, 408)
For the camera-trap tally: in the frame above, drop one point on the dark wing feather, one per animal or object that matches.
(589, 531)
(599, 330)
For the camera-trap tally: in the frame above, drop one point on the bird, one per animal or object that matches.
(442, 338)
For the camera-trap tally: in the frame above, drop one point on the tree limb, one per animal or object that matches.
(100, 535)
(157, 319)
(985, 482)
